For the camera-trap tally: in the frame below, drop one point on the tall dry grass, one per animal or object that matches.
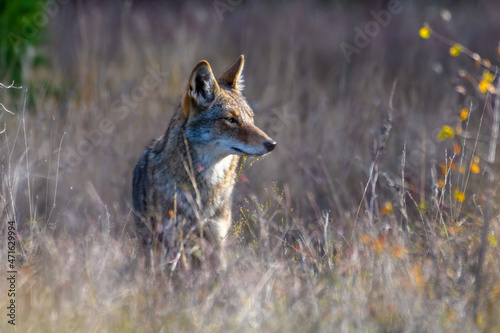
(341, 228)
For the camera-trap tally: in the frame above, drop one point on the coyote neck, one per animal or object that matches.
(215, 174)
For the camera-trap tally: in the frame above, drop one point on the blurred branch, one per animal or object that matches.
(378, 147)
(489, 200)
(475, 56)
(5, 109)
(11, 86)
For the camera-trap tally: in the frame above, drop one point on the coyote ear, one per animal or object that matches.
(233, 75)
(202, 87)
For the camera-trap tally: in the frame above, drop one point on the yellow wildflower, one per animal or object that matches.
(459, 195)
(399, 252)
(364, 239)
(417, 275)
(486, 80)
(455, 50)
(492, 239)
(464, 113)
(386, 208)
(488, 76)
(483, 86)
(425, 32)
(446, 132)
(378, 245)
(479, 320)
(474, 168)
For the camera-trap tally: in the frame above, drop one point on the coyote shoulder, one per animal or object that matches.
(183, 182)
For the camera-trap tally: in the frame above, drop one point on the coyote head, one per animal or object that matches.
(217, 116)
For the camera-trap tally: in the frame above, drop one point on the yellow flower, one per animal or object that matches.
(486, 80)
(378, 245)
(474, 168)
(492, 239)
(461, 169)
(479, 320)
(487, 76)
(464, 113)
(364, 239)
(483, 86)
(443, 167)
(387, 208)
(459, 195)
(425, 32)
(441, 183)
(455, 50)
(446, 132)
(417, 274)
(399, 252)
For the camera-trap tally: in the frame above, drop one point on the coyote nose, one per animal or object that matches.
(270, 145)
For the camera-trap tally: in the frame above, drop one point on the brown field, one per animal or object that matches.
(342, 228)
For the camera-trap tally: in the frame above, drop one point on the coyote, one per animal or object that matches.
(183, 182)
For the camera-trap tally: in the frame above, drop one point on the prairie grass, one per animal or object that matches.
(378, 210)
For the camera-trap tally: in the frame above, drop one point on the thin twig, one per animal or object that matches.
(57, 176)
(326, 219)
(475, 56)
(27, 155)
(5, 109)
(473, 151)
(402, 204)
(378, 148)
(11, 86)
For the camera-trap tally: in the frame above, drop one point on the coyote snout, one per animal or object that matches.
(258, 143)
(183, 182)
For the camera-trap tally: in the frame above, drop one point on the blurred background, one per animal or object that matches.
(101, 79)
(318, 76)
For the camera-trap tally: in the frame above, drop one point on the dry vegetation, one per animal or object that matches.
(344, 227)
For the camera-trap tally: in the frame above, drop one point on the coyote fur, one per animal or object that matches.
(183, 182)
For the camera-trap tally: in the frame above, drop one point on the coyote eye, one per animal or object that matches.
(231, 120)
